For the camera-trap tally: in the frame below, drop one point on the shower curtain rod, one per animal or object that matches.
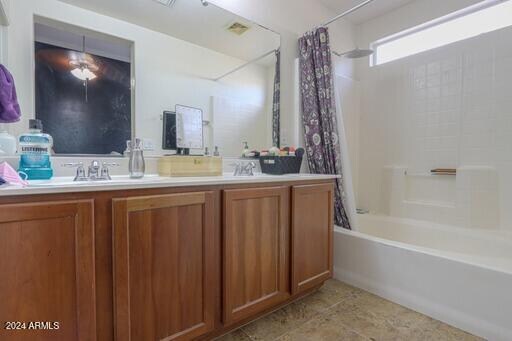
(339, 16)
(244, 65)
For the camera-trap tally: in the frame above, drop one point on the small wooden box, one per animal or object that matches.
(188, 165)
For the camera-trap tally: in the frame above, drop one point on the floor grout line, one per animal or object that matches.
(321, 307)
(321, 312)
(319, 317)
(243, 332)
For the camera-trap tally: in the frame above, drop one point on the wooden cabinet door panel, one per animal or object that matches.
(312, 228)
(47, 270)
(164, 266)
(256, 250)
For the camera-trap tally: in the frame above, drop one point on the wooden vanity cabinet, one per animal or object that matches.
(164, 266)
(163, 263)
(47, 271)
(312, 229)
(256, 244)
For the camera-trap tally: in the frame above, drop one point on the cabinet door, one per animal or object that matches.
(312, 228)
(164, 266)
(47, 271)
(256, 250)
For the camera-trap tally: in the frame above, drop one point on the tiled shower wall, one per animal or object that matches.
(446, 108)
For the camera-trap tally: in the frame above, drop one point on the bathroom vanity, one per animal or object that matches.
(160, 258)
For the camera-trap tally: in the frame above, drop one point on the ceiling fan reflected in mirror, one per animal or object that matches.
(84, 68)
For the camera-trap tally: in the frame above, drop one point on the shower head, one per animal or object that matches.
(357, 53)
(204, 2)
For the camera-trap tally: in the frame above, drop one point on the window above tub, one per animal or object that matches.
(484, 17)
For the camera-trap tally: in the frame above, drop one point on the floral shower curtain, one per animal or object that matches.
(319, 113)
(276, 107)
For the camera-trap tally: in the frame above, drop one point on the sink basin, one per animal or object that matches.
(68, 181)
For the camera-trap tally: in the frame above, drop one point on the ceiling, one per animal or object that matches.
(368, 12)
(189, 20)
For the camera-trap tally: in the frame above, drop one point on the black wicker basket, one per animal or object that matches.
(278, 165)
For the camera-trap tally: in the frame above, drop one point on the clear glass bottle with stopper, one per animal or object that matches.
(136, 165)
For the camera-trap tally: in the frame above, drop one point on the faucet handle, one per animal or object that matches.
(73, 164)
(250, 167)
(238, 168)
(105, 174)
(80, 170)
(110, 164)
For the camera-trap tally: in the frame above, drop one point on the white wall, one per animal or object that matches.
(449, 108)
(4, 20)
(349, 94)
(168, 71)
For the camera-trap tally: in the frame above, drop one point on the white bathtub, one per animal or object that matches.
(457, 275)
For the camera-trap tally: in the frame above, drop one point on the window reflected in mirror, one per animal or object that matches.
(82, 91)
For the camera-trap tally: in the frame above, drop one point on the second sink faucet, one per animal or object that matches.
(244, 170)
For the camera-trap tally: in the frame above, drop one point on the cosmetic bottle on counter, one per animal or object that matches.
(7, 143)
(35, 150)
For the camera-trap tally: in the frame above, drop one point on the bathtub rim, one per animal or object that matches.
(487, 234)
(416, 248)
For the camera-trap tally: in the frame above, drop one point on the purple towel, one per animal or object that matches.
(9, 108)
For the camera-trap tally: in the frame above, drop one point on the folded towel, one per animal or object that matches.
(9, 108)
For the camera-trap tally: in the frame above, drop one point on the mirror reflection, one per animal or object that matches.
(112, 74)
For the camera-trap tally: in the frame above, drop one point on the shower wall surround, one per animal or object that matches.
(447, 108)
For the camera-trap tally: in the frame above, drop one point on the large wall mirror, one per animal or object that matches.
(106, 71)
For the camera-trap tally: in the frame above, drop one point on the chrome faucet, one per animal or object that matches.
(94, 172)
(244, 169)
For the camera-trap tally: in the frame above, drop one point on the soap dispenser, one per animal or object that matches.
(136, 165)
(245, 150)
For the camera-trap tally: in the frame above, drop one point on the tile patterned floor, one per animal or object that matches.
(341, 312)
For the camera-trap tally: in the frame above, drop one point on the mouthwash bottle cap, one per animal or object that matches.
(35, 124)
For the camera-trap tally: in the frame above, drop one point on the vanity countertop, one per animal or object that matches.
(67, 185)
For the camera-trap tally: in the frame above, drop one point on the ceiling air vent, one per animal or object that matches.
(238, 28)
(168, 3)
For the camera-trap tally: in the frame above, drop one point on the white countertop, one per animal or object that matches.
(67, 185)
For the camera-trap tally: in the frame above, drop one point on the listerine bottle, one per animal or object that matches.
(35, 150)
